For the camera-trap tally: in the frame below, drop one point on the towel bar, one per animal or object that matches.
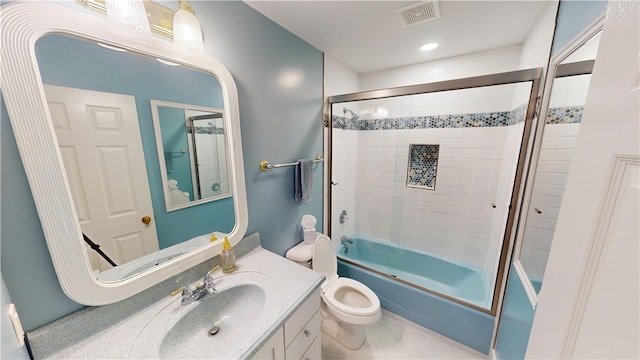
(181, 151)
(264, 164)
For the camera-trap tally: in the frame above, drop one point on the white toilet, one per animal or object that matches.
(347, 304)
(177, 197)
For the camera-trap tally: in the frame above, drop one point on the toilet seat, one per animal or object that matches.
(329, 296)
(326, 262)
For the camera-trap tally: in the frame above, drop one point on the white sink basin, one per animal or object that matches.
(181, 332)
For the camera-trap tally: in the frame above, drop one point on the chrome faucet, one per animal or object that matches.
(346, 239)
(208, 287)
(343, 217)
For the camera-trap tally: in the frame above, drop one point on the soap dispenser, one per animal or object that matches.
(227, 257)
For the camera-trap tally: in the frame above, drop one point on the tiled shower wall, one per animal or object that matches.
(343, 173)
(454, 220)
(211, 151)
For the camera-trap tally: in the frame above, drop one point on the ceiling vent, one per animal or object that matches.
(418, 13)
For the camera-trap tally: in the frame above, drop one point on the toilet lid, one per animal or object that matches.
(324, 258)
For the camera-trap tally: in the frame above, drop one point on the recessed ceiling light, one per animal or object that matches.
(429, 46)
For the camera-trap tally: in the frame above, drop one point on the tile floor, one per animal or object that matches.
(394, 337)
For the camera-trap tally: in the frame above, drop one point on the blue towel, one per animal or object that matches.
(168, 161)
(303, 180)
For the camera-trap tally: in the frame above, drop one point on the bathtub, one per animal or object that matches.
(461, 281)
(387, 264)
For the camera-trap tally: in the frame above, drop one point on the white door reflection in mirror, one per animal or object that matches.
(99, 140)
(191, 140)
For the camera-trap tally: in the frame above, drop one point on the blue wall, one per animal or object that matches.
(279, 79)
(515, 321)
(573, 17)
(280, 122)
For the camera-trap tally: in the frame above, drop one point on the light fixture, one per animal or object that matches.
(111, 47)
(128, 15)
(429, 46)
(160, 18)
(186, 28)
(167, 62)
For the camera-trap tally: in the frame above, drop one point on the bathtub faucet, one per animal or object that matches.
(208, 287)
(344, 240)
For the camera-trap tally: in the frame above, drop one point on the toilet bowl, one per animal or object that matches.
(178, 197)
(347, 304)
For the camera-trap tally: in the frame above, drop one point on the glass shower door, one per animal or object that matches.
(427, 181)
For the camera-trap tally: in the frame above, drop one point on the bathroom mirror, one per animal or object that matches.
(102, 120)
(553, 154)
(193, 153)
(32, 119)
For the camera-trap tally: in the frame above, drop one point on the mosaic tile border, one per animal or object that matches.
(491, 119)
(559, 115)
(565, 115)
(208, 130)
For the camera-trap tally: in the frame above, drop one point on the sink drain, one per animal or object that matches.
(214, 330)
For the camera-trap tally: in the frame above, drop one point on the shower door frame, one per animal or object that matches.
(519, 76)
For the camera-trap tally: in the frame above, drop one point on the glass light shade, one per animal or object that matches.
(128, 15)
(186, 31)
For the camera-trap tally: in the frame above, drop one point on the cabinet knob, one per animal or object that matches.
(307, 333)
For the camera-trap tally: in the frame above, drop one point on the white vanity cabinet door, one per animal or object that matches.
(315, 350)
(299, 338)
(304, 339)
(273, 349)
(302, 328)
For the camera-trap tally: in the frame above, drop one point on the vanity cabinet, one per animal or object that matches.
(302, 330)
(299, 338)
(273, 349)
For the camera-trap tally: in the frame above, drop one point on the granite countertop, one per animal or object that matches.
(110, 331)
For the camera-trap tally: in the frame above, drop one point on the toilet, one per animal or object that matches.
(347, 304)
(178, 197)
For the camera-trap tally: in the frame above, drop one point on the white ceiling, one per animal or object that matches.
(368, 35)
